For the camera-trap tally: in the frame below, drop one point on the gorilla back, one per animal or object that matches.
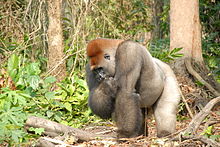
(137, 81)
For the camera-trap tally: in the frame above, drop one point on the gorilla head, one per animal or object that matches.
(101, 53)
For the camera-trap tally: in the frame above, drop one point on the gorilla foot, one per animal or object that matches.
(163, 133)
(127, 134)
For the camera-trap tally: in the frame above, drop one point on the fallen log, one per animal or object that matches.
(54, 128)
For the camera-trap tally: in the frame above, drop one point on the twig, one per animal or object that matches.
(203, 139)
(60, 62)
(197, 120)
(208, 141)
(194, 124)
(44, 143)
(55, 141)
(186, 104)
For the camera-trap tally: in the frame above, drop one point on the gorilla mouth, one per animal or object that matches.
(100, 74)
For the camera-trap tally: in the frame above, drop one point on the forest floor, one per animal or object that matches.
(151, 140)
(196, 97)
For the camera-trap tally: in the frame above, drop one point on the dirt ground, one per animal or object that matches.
(108, 128)
(196, 97)
(210, 127)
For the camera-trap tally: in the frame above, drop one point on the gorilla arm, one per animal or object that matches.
(127, 106)
(101, 95)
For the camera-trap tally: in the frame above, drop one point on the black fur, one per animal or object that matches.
(102, 94)
(128, 114)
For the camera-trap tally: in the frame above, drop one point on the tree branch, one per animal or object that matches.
(186, 104)
(197, 120)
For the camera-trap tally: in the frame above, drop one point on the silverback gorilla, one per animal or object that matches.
(123, 78)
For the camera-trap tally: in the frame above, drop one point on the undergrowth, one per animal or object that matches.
(26, 91)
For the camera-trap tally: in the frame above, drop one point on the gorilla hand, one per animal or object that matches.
(112, 86)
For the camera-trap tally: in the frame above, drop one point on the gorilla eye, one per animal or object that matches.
(106, 56)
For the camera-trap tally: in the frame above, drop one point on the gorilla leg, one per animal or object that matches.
(165, 108)
(128, 114)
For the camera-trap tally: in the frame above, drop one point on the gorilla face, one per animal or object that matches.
(105, 68)
(101, 53)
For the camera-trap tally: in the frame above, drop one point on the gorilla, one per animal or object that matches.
(124, 79)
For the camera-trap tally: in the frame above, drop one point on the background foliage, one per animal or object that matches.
(26, 87)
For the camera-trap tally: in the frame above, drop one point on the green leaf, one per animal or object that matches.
(50, 95)
(37, 131)
(175, 50)
(81, 83)
(215, 137)
(13, 63)
(33, 69)
(57, 118)
(16, 134)
(20, 81)
(25, 95)
(3, 95)
(208, 131)
(34, 81)
(21, 100)
(50, 80)
(14, 115)
(68, 106)
(71, 99)
(64, 122)
(62, 94)
(49, 113)
(71, 89)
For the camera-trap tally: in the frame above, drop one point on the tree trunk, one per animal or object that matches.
(185, 32)
(55, 40)
(185, 28)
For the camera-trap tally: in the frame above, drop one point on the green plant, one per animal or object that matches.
(160, 49)
(37, 131)
(181, 112)
(209, 15)
(211, 53)
(209, 133)
(12, 115)
(33, 95)
(73, 94)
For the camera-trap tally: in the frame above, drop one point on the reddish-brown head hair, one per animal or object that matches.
(95, 49)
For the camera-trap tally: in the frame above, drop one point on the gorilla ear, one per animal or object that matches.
(107, 56)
